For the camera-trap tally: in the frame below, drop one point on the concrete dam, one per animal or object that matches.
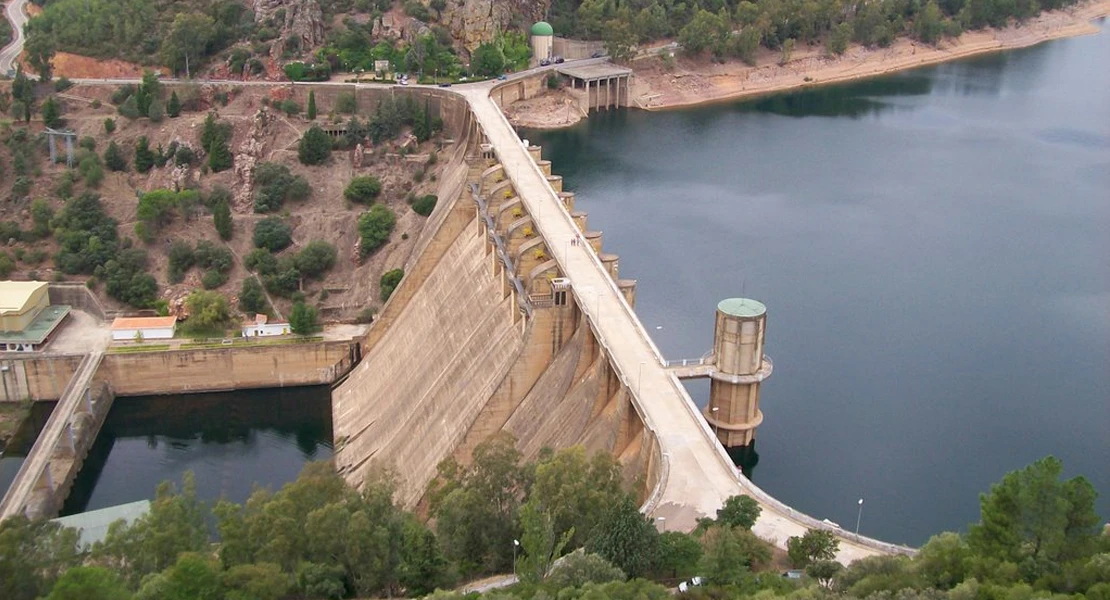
(512, 317)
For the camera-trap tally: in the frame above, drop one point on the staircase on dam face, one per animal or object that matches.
(46, 476)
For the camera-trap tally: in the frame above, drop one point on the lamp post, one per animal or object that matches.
(515, 544)
(859, 516)
(716, 428)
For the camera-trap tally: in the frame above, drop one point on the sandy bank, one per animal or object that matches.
(688, 82)
(699, 81)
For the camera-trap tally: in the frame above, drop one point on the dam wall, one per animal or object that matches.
(44, 377)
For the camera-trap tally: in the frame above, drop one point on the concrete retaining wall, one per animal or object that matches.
(219, 369)
(36, 377)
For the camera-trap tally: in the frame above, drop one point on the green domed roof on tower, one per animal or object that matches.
(542, 28)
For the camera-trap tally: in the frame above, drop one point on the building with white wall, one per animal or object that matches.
(261, 326)
(131, 329)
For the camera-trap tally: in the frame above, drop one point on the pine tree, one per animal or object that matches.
(303, 319)
(173, 108)
(219, 157)
(221, 216)
(144, 158)
(113, 158)
(311, 105)
(51, 117)
(314, 147)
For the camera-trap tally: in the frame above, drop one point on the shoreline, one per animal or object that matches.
(696, 82)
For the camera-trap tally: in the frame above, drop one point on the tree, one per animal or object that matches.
(274, 184)
(363, 189)
(252, 298)
(477, 509)
(221, 217)
(540, 543)
(51, 116)
(424, 205)
(302, 320)
(89, 583)
(620, 37)
(374, 227)
(33, 554)
(579, 568)
(824, 571)
(173, 107)
(578, 490)
(109, 125)
(929, 26)
(816, 544)
(113, 157)
(724, 561)
(739, 511)
(487, 60)
(208, 312)
(219, 157)
(315, 259)
(257, 581)
(1033, 515)
(273, 234)
(314, 147)
(839, 37)
(193, 577)
(311, 105)
(188, 36)
(705, 31)
(625, 538)
(678, 555)
(152, 543)
(389, 282)
(144, 158)
(39, 48)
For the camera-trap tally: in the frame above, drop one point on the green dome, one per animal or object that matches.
(542, 28)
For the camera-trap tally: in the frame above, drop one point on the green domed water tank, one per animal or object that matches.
(542, 28)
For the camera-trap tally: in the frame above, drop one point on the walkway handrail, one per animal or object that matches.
(502, 252)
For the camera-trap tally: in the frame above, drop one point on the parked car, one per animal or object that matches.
(545, 62)
(502, 77)
(445, 84)
(559, 60)
(597, 54)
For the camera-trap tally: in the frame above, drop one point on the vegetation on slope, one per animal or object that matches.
(317, 538)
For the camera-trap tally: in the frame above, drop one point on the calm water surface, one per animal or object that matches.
(934, 250)
(230, 441)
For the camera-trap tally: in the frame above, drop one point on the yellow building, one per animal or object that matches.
(26, 317)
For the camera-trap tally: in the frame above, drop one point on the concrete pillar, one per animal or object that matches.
(556, 182)
(611, 264)
(579, 219)
(593, 238)
(733, 410)
(628, 289)
(535, 152)
(568, 200)
(545, 166)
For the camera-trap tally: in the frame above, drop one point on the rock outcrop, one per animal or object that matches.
(474, 22)
(303, 19)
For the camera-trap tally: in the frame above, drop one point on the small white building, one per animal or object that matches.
(262, 327)
(130, 329)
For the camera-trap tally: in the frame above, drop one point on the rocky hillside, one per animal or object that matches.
(144, 193)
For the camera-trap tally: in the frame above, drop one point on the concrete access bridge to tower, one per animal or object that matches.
(521, 323)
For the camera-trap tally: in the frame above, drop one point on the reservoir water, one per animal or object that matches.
(934, 251)
(230, 441)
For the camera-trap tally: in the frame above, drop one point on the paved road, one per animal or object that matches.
(699, 475)
(18, 18)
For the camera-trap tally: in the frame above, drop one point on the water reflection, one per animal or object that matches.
(13, 454)
(231, 441)
(855, 100)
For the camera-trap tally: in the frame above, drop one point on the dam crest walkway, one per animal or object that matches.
(697, 475)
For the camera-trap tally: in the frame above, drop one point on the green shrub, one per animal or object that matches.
(424, 205)
(275, 184)
(273, 234)
(389, 282)
(62, 84)
(317, 258)
(181, 259)
(314, 147)
(109, 125)
(213, 279)
(114, 158)
(363, 189)
(374, 228)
